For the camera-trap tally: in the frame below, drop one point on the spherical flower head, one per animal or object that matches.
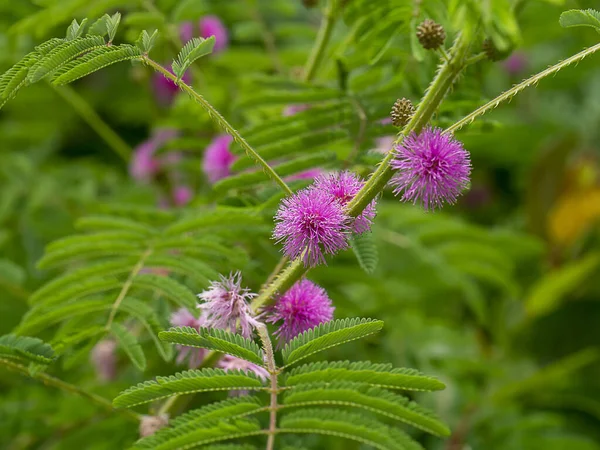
(516, 63)
(212, 26)
(344, 186)
(104, 360)
(144, 163)
(304, 306)
(194, 356)
(433, 167)
(225, 303)
(164, 89)
(182, 195)
(218, 159)
(310, 223)
(229, 362)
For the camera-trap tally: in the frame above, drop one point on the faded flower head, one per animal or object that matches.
(304, 306)
(149, 425)
(309, 223)
(164, 89)
(212, 26)
(218, 159)
(194, 356)
(344, 186)
(104, 360)
(225, 302)
(229, 362)
(144, 163)
(433, 168)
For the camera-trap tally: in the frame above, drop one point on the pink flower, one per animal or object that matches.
(292, 110)
(186, 31)
(183, 318)
(306, 175)
(218, 159)
(104, 360)
(212, 26)
(344, 186)
(164, 89)
(433, 167)
(310, 223)
(228, 362)
(225, 303)
(144, 163)
(304, 306)
(182, 195)
(516, 63)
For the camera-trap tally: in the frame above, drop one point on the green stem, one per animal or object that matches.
(220, 120)
(52, 381)
(273, 372)
(87, 113)
(521, 86)
(323, 36)
(286, 278)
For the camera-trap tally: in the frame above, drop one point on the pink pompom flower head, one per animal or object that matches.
(304, 306)
(225, 303)
(344, 186)
(212, 26)
(311, 222)
(228, 362)
(194, 356)
(432, 168)
(218, 159)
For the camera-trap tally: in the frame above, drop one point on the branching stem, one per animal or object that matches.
(220, 120)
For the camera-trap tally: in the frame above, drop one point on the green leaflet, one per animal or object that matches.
(215, 339)
(105, 223)
(94, 61)
(90, 249)
(193, 50)
(365, 249)
(27, 348)
(580, 18)
(75, 291)
(382, 375)
(187, 382)
(128, 342)
(220, 218)
(373, 399)
(353, 426)
(328, 335)
(173, 290)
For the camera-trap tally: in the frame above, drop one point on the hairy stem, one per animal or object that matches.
(521, 86)
(220, 120)
(52, 381)
(125, 289)
(273, 372)
(323, 36)
(87, 113)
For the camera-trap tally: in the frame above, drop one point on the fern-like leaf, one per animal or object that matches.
(381, 375)
(187, 382)
(581, 18)
(76, 29)
(215, 339)
(192, 50)
(106, 223)
(373, 399)
(347, 425)
(176, 292)
(26, 348)
(94, 61)
(228, 218)
(364, 248)
(327, 335)
(128, 342)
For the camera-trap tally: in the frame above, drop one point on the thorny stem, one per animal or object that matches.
(87, 113)
(323, 36)
(521, 86)
(220, 120)
(127, 285)
(273, 372)
(52, 381)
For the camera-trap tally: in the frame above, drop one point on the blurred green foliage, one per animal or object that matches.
(497, 296)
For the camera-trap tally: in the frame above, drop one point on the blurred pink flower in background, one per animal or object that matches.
(291, 110)
(164, 89)
(218, 158)
(207, 26)
(149, 425)
(194, 356)
(182, 195)
(306, 175)
(145, 164)
(104, 360)
(516, 63)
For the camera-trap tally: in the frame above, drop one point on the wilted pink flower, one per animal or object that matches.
(291, 110)
(104, 360)
(149, 425)
(515, 63)
(311, 222)
(182, 195)
(304, 306)
(225, 303)
(344, 186)
(432, 168)
(212, 26)
(228, 362)
(144, 163)
(183, 318)
(164, 89)
(218, 159)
